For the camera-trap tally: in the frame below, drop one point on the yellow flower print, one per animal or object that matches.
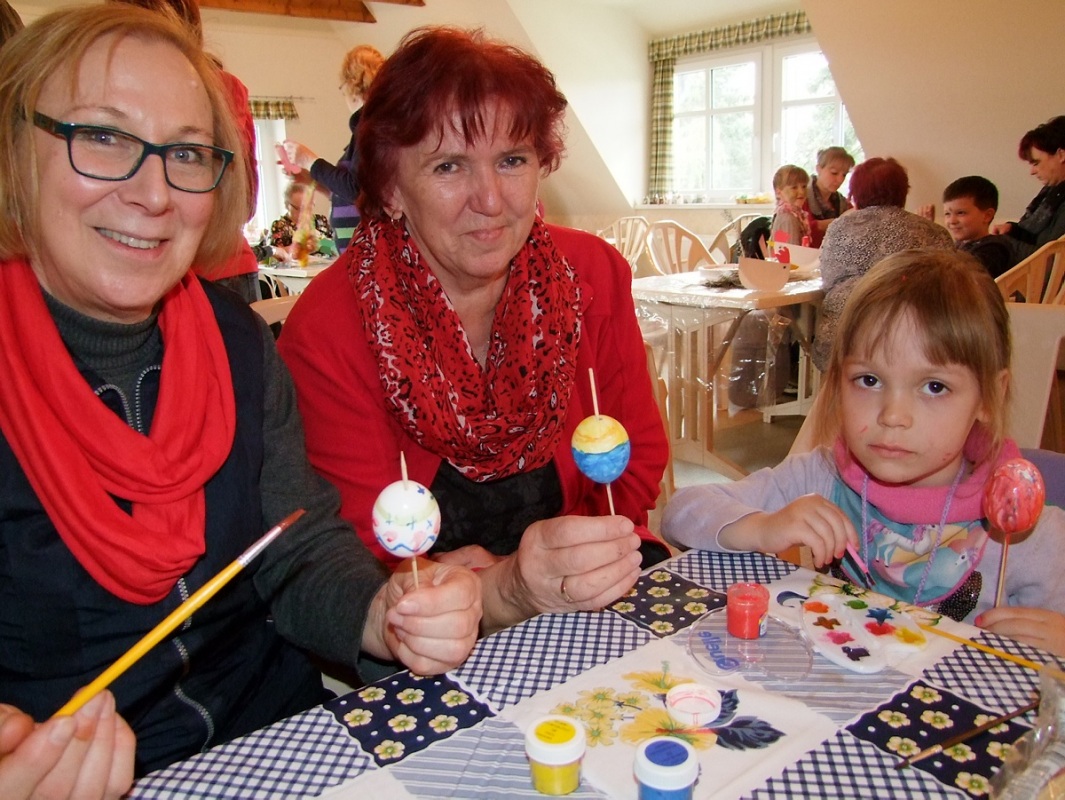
(926, 694)
(662, 609)
(960, 752)
(593, 715)
(658, 591)
(1000, 750)
(566, 709)
(410, 696)
(697, 593)
(662, 626)
(631, 592)
(402, 722)
(604, 695)
(937, 719)
(360, 716)
(661, 576)
(372, 694)
(903, 746)
(600, 734)
(695, 608)
(656, 682)
(632, 699)
(973, 784)
(454, 698)
(389, 749)
(624, 607)
(893, 719)
(982, 718)
(442, 723)
(657, 722)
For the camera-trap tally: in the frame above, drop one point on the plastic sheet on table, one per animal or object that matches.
(759, 367)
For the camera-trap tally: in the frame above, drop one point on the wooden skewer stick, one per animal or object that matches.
(403, 475)
(1024, 662)
(965, 736)
(176, 617)
(1002, 568)
(595, 409)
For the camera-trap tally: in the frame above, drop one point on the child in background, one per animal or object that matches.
(824, 203)
(969, 206)
(914, 415)
(790, 218)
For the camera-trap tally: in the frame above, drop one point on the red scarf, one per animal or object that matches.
(76, 452)
(488, 422)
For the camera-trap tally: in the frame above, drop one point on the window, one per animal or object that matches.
(269, 204)
(739, 116)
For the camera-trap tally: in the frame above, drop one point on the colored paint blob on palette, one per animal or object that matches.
(860, 634)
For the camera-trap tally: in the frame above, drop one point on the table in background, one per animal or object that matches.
(296, 278)
(690, 311)
(476, 751)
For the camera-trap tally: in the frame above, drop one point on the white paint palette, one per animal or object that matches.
(860, 633)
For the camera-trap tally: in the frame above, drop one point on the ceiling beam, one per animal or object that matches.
(343, 10)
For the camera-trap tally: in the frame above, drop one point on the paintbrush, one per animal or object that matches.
(965, 736)
(176, 617)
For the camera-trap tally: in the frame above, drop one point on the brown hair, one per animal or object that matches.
(448, 76)
(56, 43)
(879, 182)
(835, 153)
(958, 310)
(790, 175)
(10, 21)
(359, 68)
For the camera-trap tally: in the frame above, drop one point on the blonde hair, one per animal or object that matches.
(835, 153)
(359, 68)
(58, 42)
(958, 312)
(790, 175)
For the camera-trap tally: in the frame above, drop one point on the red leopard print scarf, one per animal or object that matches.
(488, 422)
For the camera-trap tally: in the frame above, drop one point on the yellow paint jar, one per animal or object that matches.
(555, 746)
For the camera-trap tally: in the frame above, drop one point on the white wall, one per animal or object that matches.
(947, 87)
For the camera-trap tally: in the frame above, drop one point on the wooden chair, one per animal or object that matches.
(274, 309)
(674, 248)
(1035, 414)
(629, 236)
(728, 237)
(269, 286)
(1040, 278)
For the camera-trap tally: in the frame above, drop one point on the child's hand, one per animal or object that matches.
(1038, 627)
(810, 520)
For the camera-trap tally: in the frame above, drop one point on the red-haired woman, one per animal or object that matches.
(458, 330)
(877, 228)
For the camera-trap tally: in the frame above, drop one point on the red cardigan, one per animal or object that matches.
(354, 442)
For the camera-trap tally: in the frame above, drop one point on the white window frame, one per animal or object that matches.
(270, 202)
(768, 143)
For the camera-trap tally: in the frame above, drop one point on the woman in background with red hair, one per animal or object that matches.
(856, 241)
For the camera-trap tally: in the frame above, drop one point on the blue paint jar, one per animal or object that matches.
(666, 769)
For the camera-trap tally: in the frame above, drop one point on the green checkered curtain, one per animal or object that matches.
(273, 108)
(663, 55)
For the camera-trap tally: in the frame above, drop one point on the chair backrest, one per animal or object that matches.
(674, 248)
(1037, 331)
(725, 247)
(274, 309)
(1040, 278)
(658, 387)
(754, 236)
(629, 235)
(269, 286)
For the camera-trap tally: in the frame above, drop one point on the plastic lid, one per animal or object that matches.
(693, 705)
(555, 740)
(666, 763)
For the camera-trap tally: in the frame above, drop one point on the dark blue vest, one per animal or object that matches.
(225, 672)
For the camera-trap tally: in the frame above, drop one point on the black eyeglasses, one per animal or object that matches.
(108, 154)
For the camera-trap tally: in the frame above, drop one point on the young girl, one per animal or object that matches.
(789, 184)
(914, 412)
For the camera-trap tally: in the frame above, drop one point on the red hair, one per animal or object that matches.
(879, 182)
(442, 76)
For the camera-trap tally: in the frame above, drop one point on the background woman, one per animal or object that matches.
(879, 227)
(458, 330)
(284, 228)
(149, 432)
(360, 66)
(823, 201)
(1043, 148)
